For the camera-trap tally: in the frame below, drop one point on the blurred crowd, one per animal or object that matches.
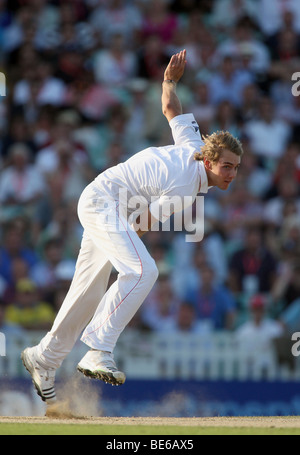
(83, 93)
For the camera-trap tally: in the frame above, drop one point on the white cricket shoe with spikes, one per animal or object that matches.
(42, 378)
(101, 365)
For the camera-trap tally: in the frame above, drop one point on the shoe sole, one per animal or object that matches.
(38, 389)
(108, 378)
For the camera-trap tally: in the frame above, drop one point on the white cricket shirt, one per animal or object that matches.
(157, 176)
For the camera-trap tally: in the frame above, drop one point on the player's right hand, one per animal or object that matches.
(176, 66)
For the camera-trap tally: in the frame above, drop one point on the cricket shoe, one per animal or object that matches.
(43, 379)
(101, 365)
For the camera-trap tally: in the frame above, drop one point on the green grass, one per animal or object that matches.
(96, 429)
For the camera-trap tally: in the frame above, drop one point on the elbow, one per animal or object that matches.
(170, 111)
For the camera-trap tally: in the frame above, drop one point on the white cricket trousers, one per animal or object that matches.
(89, 306)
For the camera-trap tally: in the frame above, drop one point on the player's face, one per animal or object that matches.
(224, 171)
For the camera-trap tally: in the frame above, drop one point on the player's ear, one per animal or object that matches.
(207, 163)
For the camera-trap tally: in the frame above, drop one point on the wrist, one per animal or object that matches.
(170, 81)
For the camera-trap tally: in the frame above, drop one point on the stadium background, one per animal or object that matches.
(83, 86)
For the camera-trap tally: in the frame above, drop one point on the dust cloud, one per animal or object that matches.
(77, 398)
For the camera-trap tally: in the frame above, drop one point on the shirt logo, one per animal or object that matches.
(196, 127)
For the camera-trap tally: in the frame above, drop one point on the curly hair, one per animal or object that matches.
(216, 143)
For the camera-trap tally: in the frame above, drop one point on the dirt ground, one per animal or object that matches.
(267, 422)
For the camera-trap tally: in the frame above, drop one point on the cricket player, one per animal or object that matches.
(112, 235)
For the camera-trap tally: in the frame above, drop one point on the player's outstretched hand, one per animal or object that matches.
(176, 66)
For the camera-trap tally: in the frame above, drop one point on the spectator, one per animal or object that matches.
(245, 45)
(201, 106)
(21, 30)
(71, 65)
(160, 307)
(242, 209)
(257, 180)
(65, 156)
(214, 303)
(255, 337)
(115, 154)
(211, 250)
(159, 20)
(270, 14)
(289, 109)
(14, 333)
(27, 310)
(248, 109)
(44, 26)
(113, 130)
(41, 129)
(138, 114)
(64, 273)
(18, 131)
(73, 32)
(25, 57)
(21, 184)
(46, 15)
(67, 179)
(19, 271)
(287, 194)
(253, 268)
(200, 43)
(226, 13)
(268, 135)
(64, 224)
(289, 234)
(152, 58)
(90, 99)
(186, 321)
(14, 246)
(286, 290)
(228, 82)
(44, 272)
(48, 88)
(115, 65)
(188, 258)
(24, 93)
(286, 167)
(226, 119)
(116, 16)
(285, 47)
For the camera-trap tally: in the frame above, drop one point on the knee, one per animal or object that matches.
(150, 272)
(145, 275)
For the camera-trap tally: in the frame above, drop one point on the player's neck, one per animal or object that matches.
(210, 181)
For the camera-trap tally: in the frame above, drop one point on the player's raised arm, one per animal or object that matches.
(171, 106)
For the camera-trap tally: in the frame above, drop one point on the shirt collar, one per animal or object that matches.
(203, 185)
